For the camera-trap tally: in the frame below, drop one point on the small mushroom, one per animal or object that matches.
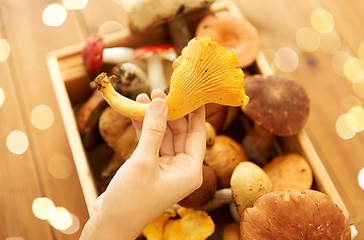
(88, 118)
(289, 172)
(153, 55)
(232, 32)
(204, 193)
(94, 54)
(296, 214)
(130, 80)
(223, 157)
(278, 106)
(191, 224)
(211, 134)
(204, 73)
(231, 231)
(248, 182)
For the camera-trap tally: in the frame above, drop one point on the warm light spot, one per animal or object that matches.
(358, 113)
(286, 59)
(61, 219)
(74, 4)
(2, 97)
(109, 27)
(322, 21)
(342, 127)
(307, 39)
(330, 42)
(325, 73)
(348, 103)
(14, 238)
(54, 15)
(17, 142)
(4, 50)
(361, 178)
(352, 122)
(42, 117)
(43, 208)
(361, 51)
(127, 5)
(4, 15)
(59, 166)
(354, 70)
(74, 226)
(359, 89)
(338, 62)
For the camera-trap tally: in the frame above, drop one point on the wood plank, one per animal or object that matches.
(278, 23)
(35, 88)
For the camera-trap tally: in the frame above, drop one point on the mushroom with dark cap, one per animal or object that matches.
(153, 56)
(94, 54)
(278, 106)
(233, 33)
(296, 214)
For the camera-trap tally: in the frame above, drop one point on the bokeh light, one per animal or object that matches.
(59, 166)
(17, 142)
(4, 50)
(361, 178)
(338, 62)
(343, 129)
(74, 4)
(330, 42)
(358, 113)
(322, 21)
(349, 102)
(127, 5)
(61, 219)
(2, 96)
(359, 89)
(286, 59)
(43, 208)
(354, 70)
(4, 13)
(54, 15)
(361, 51)
(109, 27)
(74, 227)
(42, 117)
(307, 39)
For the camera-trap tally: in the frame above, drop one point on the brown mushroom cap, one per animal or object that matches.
(277, 104)
(233, 33)
(296, 214)
(204, 193)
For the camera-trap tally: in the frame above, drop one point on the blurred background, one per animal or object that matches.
(319, 43)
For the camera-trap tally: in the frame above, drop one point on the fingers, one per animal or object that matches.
(196, 136)
(179, 131)
(153, 129)
(142, 98)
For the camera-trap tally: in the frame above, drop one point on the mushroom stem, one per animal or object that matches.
(156, 72)
(123, 105)
(221, 197)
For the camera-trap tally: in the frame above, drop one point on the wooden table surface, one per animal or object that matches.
(26, 84)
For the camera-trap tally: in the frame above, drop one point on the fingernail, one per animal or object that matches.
(158, 105)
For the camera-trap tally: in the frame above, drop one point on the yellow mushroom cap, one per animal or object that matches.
(205, 73)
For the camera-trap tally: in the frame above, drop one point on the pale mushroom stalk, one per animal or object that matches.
(156, 72)
(192, 84)
(221, 197)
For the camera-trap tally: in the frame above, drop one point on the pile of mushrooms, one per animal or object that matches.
(261, 190)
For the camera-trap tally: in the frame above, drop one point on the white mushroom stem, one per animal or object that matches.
(221, 197)
(121, 55)
(156, 72)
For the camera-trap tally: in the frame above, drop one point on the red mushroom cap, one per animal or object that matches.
(143, 51)
(92, 54)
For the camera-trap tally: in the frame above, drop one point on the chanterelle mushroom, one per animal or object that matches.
(296, 214)
(204, 73)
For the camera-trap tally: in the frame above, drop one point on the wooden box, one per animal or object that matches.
(71, 84)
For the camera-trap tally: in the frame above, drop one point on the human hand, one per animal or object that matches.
(165, 167)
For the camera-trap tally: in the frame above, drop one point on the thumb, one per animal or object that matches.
(154, 127)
